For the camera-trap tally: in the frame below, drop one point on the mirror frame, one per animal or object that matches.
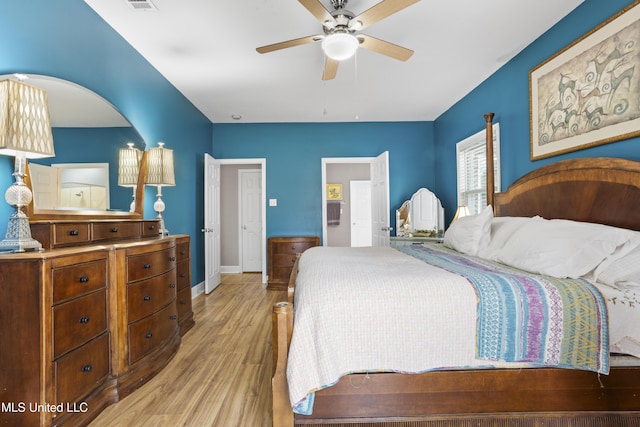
(83, 215)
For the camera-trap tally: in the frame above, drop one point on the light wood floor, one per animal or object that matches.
(221, 375)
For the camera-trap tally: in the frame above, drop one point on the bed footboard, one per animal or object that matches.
(281, 317)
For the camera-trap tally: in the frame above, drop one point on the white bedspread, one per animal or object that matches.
(364, 318)
(365, 299)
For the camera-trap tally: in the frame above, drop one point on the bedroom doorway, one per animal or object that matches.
(341, 171)
(228, 251)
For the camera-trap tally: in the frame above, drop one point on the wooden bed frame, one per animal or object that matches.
(602, 190)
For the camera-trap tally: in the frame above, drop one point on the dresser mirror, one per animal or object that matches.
(421, 216)
(88, 133)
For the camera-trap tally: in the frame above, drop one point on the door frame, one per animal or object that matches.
(263, 235)
(325, 162)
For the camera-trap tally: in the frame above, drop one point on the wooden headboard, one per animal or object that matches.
(600, 190)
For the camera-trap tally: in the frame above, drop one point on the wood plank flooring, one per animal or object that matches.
(221, 375)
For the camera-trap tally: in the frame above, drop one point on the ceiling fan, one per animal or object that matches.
(341, 38)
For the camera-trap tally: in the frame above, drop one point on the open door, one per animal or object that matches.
(211, 223)
(380, 200)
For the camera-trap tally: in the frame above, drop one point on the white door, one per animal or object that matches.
(360, 202)
(250, 181)
(45, 184)
(211, 223)
(380, 200)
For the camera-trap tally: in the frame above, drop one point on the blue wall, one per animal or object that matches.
(506, 93)
(68, 40)
(293, 153)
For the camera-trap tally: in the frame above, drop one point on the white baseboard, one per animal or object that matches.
(197, 290)
(230, 269)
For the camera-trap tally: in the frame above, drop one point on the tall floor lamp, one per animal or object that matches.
(25, 132)
(128, 169)
(160, 173)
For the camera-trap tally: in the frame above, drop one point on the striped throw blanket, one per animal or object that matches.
(530, 318)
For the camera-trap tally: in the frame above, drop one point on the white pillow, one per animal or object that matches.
(622, 269)
(470, 233)
(501, 229)
(562, 248)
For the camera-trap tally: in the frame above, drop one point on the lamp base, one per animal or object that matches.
(18, 237)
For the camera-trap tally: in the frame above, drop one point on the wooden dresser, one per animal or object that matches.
(183, 258)
(282, 252)
(83, 326)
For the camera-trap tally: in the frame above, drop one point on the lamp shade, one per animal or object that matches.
(160, 166)
(128, 166)
(25, 127)
(340, 46)
(460, 212)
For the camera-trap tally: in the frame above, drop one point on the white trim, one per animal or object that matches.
(325, 161)
(230, 269)
(263, 167)
(197, 290)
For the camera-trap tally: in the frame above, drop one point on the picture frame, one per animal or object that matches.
(334, 191)
(588, 94)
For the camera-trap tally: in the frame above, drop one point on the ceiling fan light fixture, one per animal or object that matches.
(340, 46)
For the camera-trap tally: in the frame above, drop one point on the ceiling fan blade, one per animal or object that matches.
(330, 68)
(385, 48)
(380, 11)
(289, 43)
(318, 10)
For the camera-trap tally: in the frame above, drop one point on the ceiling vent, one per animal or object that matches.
(141, 4)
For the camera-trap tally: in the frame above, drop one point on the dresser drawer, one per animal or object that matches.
(183, 277)
(152, 332)
(79, 279)
(183, 302)
(182, 251)
(292, 247)
(71, 233)
(146, 296)
(150, 264)
(284, 260)
(79, 320)
(115, 230)
(80, 371)
(150, 228)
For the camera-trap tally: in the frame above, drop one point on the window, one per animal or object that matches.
(472, 169)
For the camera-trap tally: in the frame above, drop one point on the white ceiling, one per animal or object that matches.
(206, 49)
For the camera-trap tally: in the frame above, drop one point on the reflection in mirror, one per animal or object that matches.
(421, 216)
(86, 129)
(70, 186)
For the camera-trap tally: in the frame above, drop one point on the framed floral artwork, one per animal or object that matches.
(334, 191)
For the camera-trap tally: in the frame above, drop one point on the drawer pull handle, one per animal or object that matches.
(173, 317)
(147, 298)
(172, 285)
(183, 302)
(149, 335)
(183, 275)
(147, 265)
(84, 279)
(152, 227)
(87, 368)
(114, 230)
(74, 233)
(183, 252)
(84, 319)
(172, 258)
